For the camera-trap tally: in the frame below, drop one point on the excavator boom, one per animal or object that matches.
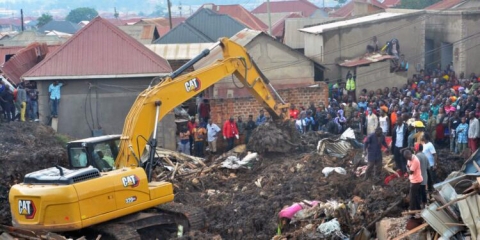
(175, 90)
(95, 194)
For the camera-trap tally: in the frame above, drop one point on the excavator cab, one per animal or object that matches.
(98, 152)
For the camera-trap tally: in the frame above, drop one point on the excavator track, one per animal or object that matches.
(150, 223)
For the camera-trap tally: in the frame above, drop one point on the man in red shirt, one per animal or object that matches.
(230, 132)
(293, 112)
(415, 176)
(191, 127)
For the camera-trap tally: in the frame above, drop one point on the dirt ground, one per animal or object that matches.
(240, 204)
(26, 147)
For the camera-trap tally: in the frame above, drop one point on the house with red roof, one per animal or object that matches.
(358, 7)
(304, 7)
(239, 13)
(103, 69)
(391, 3)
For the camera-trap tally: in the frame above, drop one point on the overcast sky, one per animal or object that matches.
(62, 7)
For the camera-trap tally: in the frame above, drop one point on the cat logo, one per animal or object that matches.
(193, 85)
(27, 208)
(130, 181)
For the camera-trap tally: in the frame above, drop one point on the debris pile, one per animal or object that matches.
(26, 147)
(274, 137)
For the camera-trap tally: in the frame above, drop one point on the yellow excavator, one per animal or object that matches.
(108, 186)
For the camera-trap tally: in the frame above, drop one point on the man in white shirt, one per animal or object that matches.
(431, 154)
(212, 132)
(473, 132)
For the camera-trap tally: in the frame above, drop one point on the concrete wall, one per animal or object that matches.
(377, 76)
(113, 105)
(452, 27)
(283, 66)
(469, 50)
(350, 41)
(273, 16)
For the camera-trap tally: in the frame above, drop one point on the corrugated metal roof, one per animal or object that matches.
(445, 4)
(60, 26)
(185, 51)
(292, 37)
(345, 23)
(240, 14)
(203, 26)
(392, 3)
(145, 33)
(304, 6)
(365, 60)
(161, 21)
(4, 51)
(26, 38)
(121, 22)
(100, 49)
(347, 9)
(23, 61)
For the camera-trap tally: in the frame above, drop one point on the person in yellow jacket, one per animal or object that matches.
(351, 86)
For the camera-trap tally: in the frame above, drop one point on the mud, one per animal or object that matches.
(25, 147)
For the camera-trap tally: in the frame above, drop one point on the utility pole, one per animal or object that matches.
(21, 19)
(169, 13)
(269, 18)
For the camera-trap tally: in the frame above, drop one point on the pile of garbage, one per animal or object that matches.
(26, 147)
(245, 201)
(274, 137)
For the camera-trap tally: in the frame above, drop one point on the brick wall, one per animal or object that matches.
(222, 109)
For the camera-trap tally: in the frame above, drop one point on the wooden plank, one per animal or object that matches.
(417, 229)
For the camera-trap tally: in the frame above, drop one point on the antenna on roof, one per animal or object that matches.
(180, 8)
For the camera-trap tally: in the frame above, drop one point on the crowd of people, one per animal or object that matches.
(433, 109)
(18, 104)
(21, 103)
(201, 130)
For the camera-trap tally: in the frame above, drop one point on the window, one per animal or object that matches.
(105, 153)
(79, 157)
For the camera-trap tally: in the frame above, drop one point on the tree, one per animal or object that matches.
(81, 14)
(160, 11)
(44, 19)
(415, 4)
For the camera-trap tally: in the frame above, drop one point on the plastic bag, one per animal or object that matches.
(329, 227)
(326, 171)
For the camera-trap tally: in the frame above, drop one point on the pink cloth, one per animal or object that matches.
(289, 212)
(450, 109)
(414, 165)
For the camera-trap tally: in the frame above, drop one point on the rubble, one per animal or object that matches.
(26, 147)
(274, 138)
(244, 195)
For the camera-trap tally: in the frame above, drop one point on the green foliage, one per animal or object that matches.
(416, 4)
(81, 14)
(63, 139)
(44, 19)
(160, 11)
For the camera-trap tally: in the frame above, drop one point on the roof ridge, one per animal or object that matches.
(151, 55)
(252, 17)
(198, 32)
